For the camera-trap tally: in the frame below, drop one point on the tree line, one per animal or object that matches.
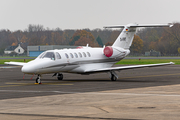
(164, 40)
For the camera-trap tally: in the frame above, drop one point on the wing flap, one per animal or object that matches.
(128, 67)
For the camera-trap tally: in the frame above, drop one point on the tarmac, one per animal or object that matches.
(138, 94)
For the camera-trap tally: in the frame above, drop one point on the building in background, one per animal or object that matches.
(14, 49)
(153, 53)
(34, 51)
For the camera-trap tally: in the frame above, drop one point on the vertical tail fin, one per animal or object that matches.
(125, 38)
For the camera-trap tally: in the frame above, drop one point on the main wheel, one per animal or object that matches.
(60, 77)
(113, 77)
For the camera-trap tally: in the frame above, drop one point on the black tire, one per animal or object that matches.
(60, 77)
(38, 80)
(113, 78)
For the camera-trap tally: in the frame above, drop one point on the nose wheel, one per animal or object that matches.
(38, 79)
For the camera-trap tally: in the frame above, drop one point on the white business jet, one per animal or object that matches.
(86, 60)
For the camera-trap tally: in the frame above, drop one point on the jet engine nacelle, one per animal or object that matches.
(115, 52)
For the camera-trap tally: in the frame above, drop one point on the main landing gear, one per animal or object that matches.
(38, 79)
(59, 76)
(113, 76)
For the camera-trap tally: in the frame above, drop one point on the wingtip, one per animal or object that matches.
(6, 63)
(170, 25)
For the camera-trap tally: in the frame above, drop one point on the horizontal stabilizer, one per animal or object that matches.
(128, 67)
(15, 63)
(136, 25)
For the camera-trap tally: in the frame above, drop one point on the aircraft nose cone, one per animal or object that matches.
(27, 69)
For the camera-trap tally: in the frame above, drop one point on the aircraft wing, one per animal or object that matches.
(7, 67)
(127, 67)
(15, 63)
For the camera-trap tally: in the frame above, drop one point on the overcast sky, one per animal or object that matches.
(79, 14)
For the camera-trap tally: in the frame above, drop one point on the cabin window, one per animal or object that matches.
(80, 54)
(58, 56)
(76, 55)
(71, 55)
(49, 55)
(84, 54)
(66, 55)
(89, 54)
(19, 50)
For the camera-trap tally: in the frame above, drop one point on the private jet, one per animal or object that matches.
(87, 60)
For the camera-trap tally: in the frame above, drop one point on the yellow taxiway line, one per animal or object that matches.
(9, 84)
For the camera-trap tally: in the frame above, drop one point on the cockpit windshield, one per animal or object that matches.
(41, 55)
(48, 55)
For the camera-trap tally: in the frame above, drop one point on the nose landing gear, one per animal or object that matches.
(38, 79)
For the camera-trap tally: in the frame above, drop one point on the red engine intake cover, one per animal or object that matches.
(108, 51)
